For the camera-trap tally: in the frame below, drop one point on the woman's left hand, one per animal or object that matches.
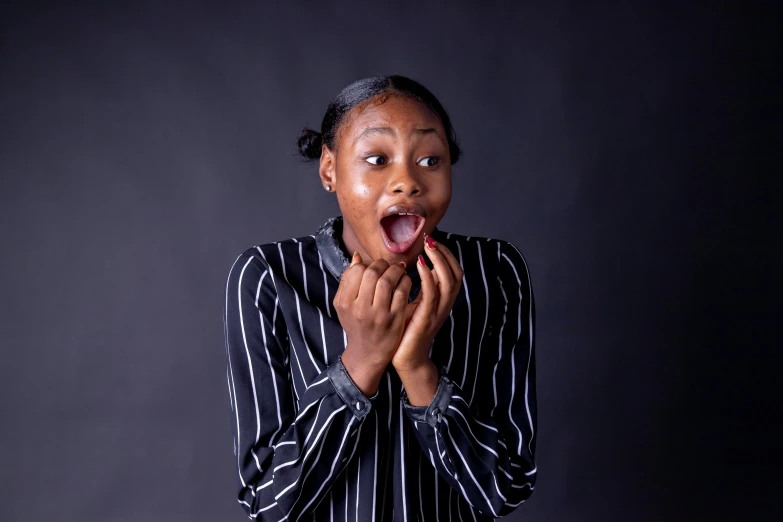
(427, 313)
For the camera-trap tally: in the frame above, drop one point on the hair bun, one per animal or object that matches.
(309, 144)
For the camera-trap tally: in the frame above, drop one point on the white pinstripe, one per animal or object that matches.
(486, 318)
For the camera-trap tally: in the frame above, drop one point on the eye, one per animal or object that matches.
(375, 160)
(429, 161)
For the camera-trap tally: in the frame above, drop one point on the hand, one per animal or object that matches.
(370, 303)
(427, 313)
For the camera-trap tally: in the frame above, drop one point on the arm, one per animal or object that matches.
(487, 450)
(286, 457)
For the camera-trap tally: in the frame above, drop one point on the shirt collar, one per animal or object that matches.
(336, 258)
(331, 247)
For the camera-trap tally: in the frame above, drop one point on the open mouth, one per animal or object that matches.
(400, 230)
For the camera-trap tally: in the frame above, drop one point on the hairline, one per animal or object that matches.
(385, 95)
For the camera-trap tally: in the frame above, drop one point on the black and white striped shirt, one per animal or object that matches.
(310, 446)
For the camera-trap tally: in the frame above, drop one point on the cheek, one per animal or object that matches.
(357, 186)
(441, 192)
(356, 196)
(360, 190)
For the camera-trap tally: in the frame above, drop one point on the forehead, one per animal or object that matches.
(390, 110)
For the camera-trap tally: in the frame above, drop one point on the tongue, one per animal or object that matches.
(400, 228)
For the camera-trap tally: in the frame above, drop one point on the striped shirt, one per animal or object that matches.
(310, 446)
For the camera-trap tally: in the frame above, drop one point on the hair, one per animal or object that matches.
(309, 141)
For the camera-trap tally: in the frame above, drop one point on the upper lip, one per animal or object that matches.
(417, 210)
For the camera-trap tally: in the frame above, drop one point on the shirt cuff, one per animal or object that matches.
(433, 413)
(347, 390)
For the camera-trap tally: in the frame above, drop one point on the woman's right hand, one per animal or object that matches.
(371, 303)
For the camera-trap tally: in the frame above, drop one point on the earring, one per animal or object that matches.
(329, 188)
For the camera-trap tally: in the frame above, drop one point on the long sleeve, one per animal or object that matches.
(485, 447)
(288, 451)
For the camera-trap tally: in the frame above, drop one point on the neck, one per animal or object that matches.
(352, 244)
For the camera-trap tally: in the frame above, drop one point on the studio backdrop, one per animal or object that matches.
(624, 150)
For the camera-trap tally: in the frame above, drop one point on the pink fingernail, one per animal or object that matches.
(421, 260)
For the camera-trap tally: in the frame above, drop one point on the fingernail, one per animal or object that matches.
(421, 260)
(354, 259)
(403, 265)
(430, 242)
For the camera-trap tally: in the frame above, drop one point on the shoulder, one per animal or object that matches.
(269, 255)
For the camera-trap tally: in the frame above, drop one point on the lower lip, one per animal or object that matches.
(401, 248)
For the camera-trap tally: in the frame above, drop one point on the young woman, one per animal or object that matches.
(382, 368)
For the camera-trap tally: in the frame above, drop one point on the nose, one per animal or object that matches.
(404, 180)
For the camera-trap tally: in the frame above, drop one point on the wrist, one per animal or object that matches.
(414, 369)
(420, 382)
(365, 375)
(413, 359)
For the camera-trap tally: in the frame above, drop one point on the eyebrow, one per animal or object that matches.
(391, 132)
(369, 131)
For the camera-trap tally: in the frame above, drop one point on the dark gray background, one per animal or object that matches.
(625, 150)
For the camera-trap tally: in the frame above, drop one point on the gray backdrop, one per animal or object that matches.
(624, 150)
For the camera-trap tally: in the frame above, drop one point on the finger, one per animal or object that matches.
(386, 285)
(448, 256)
(370, 277)
(429, 298)
(411, 307)
(350, 281)
(439, 254)
(449, 282)
(399, 298)
(442, 270)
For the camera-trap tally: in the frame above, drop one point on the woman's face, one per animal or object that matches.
(391, 157)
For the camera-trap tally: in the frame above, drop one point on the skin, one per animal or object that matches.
(370, 170)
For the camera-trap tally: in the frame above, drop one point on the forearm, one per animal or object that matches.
(290, 478)
(471, 454)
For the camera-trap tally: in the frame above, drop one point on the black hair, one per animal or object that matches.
(309, 141)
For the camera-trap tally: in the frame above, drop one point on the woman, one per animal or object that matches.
(398, 384)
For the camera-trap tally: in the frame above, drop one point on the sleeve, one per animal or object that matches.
(485, 448)
(288, 453)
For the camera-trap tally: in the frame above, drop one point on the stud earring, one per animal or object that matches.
(329, 188)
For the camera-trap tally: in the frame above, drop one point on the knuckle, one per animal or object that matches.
(384, 320)
(379, 264)
(402, 290)
(373, 270)
(385, 281)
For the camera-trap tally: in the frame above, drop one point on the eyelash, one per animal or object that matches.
(436, 158)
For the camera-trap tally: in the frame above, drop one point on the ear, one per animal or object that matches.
(327, 167)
